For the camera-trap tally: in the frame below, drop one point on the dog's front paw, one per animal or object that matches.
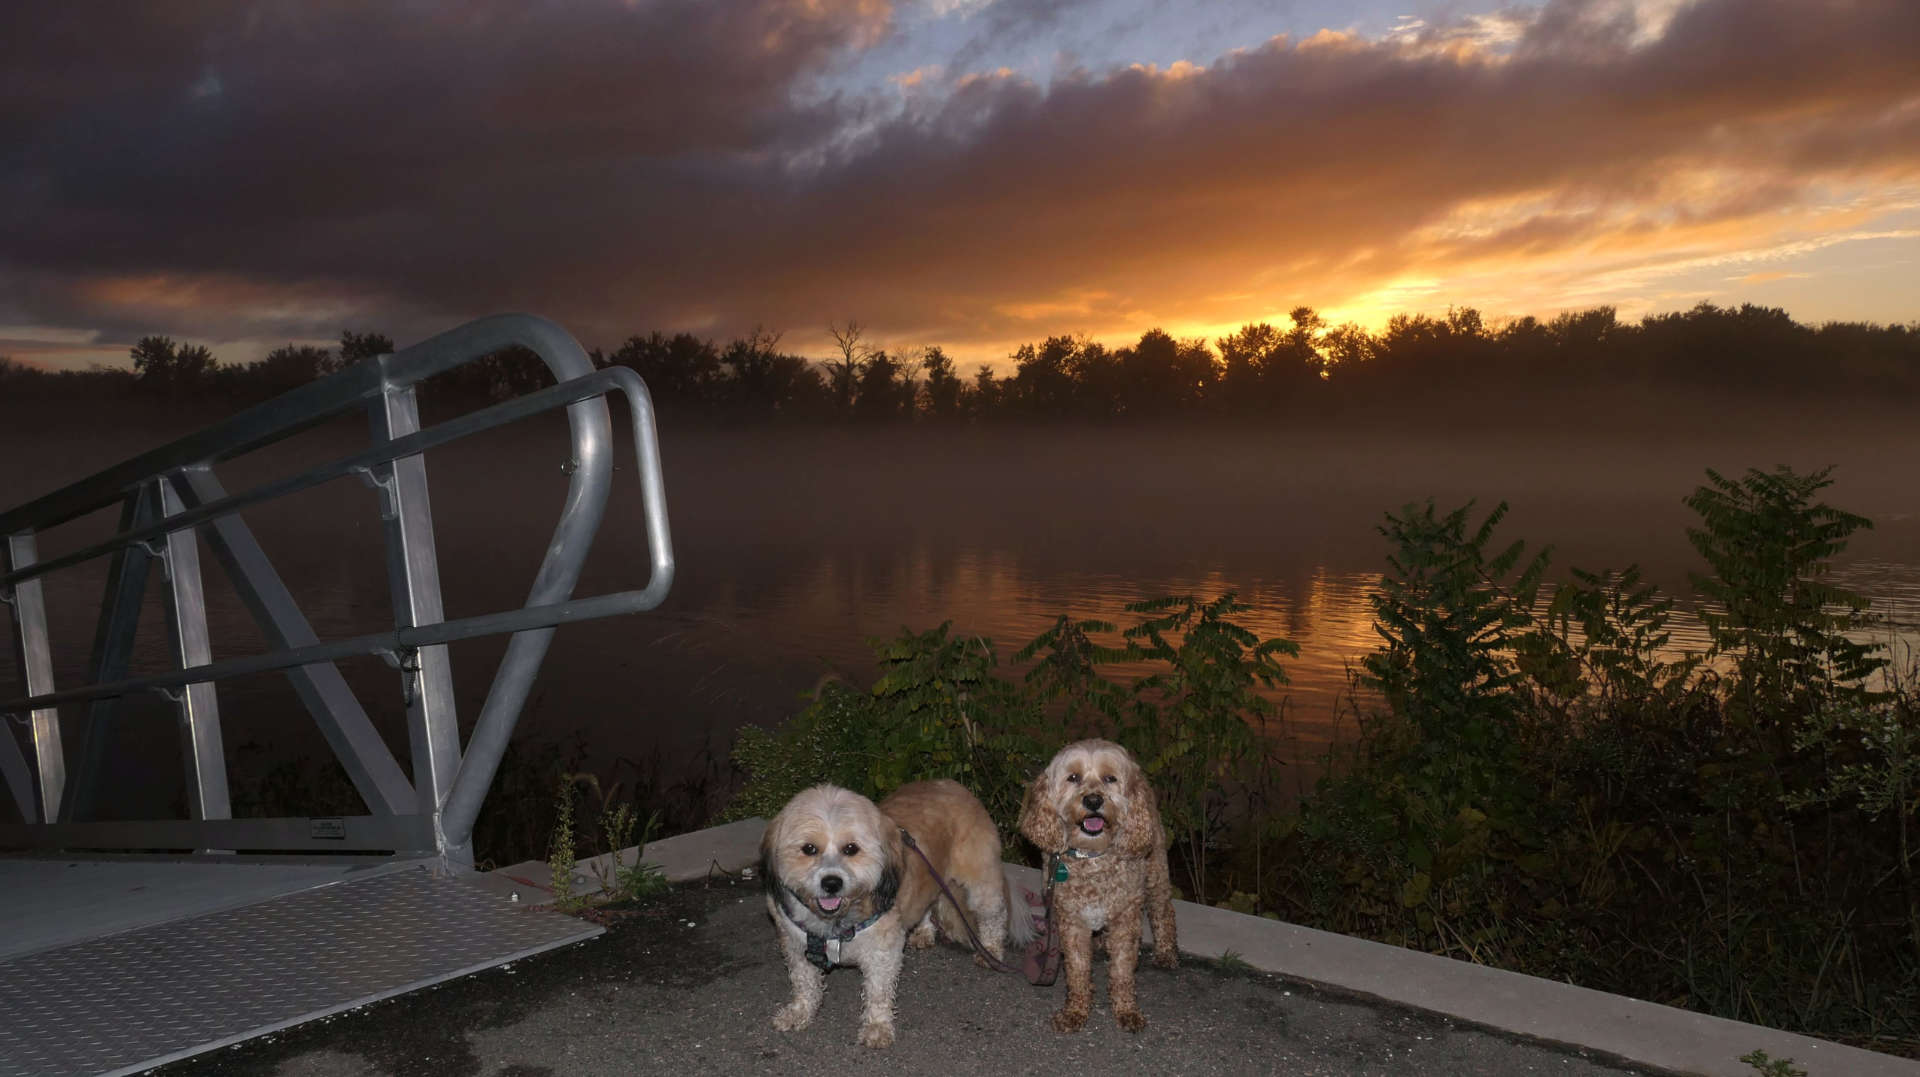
(1169, 959)
(1131, 1020)
(875, 1034)
(792, 1017)
(1069, 1020)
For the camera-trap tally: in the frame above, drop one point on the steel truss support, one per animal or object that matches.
(169, 496)
(413, 575)
(35, 657)
(341, 718)
(199, 704)
(112, 651)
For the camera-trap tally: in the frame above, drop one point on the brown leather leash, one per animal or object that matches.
(1043, 953)
(1042, 963)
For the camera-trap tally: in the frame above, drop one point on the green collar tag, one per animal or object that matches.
(1059, 871)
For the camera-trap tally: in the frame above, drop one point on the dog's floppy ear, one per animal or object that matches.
(767, 879)
(1142, 834)
(1038, 821)
(888, 887)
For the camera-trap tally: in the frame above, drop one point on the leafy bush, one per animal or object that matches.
(1767, 603)
(1548, 790)
(1190, 723)
(935, 711)
(1542, 785)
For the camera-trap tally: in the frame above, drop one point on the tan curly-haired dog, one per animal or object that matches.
(1093, 813)
(843, 889)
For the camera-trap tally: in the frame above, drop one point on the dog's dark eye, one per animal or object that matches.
(1109, 779)
(850, 849)
(810, 849)
(1074, 778)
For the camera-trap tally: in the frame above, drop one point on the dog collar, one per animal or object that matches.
(1057, 863)
(824, 950)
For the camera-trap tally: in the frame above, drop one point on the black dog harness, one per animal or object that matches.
(824, 950)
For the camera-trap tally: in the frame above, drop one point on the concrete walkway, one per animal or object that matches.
(687, 984)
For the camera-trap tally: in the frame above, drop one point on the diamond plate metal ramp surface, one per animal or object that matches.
(129, 1001)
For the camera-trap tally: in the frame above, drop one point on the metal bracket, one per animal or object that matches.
(407, 661)
(175, 696)
(389, 490)
(158, 553)
(404, 659)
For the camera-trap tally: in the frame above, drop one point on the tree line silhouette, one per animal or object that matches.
(1260, 370)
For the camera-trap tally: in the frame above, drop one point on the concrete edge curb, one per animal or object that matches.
(1642, 1033)
(681, 858)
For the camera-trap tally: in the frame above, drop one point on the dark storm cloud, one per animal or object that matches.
(434, 152)
(235, 171)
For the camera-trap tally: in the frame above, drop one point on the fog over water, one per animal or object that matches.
(795, 546)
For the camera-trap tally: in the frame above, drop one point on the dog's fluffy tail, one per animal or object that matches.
(1022, 914)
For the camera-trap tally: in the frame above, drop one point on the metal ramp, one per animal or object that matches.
(229, 927)
(137, 998)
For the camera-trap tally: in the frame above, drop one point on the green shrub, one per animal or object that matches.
(1536, 782)
(935, 711)
(1767, 603)
(1191, 721)
(1545, 788)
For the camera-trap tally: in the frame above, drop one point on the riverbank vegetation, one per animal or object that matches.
(1261, 371)
(1533, 778)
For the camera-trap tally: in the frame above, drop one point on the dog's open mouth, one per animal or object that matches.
(829, 904)
(1093, 825)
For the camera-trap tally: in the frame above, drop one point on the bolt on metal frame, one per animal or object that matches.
(169, 495)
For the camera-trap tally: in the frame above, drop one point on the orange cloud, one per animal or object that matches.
(678, 165)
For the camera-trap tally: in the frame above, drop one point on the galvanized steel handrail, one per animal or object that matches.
(454, 802)
(639, 600)
(309, 405)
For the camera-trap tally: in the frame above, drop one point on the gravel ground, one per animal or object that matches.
(687, 983)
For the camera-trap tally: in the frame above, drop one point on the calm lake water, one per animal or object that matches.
(796, 546)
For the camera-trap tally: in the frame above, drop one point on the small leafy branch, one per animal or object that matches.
(617, 820)
(560, 854)
(1766, 1065)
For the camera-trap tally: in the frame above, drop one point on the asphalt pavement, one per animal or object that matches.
(687, 984)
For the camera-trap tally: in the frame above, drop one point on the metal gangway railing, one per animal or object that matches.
(171, 493)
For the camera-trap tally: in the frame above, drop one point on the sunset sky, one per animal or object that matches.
(970, 173)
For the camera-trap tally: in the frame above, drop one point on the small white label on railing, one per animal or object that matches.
(327, 828)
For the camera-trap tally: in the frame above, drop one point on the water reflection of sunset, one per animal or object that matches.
(997, 594)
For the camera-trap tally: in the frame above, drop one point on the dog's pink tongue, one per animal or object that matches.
(1093, 824)
(828, 904)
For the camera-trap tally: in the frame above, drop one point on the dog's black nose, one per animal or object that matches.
(1093, 801)
(830, 883)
